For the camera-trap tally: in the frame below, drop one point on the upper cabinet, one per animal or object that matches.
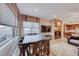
(57, 25)
(71, 29)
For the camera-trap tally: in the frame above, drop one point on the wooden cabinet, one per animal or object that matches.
(57, 28)
(70, 29)
(57, 34)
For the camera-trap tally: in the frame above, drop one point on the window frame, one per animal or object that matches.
(32, 27)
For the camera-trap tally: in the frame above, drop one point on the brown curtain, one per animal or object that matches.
(30, 18)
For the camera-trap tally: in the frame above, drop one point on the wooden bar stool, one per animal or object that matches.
(45, 48)
(34, 49)
(22, 49)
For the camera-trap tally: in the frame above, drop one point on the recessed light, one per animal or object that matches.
(54, 15)
(35, 9)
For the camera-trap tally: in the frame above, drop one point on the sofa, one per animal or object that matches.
(74, 40)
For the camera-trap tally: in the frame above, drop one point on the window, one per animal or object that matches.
(31, 27)
(6, 33)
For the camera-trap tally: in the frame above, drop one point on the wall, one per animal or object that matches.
(44, 21)
(47, 23)
(52, 29)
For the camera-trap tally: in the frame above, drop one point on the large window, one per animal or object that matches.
(6, 33)
(31, 27)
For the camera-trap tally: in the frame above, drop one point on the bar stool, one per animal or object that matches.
(34, 48)
(45, 48)
(22, 49)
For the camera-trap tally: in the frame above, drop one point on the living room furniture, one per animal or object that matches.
(74, 40)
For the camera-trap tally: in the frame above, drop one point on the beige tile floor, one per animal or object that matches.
(73, 49)
(54, 41)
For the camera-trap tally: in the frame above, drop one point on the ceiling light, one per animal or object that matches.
(54, 15)
(35, 9)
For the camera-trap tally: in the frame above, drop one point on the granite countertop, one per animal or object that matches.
(35, 38)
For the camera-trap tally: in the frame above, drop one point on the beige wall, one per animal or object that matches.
(45, 21)
(52, 29)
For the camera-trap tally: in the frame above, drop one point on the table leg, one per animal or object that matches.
(23, 50)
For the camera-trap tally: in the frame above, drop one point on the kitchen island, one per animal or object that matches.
(39, 46)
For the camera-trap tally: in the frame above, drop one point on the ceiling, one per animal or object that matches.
(49, 10)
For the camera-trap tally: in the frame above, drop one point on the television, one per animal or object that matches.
(45, 28)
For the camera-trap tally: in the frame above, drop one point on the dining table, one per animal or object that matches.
(35, 46)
